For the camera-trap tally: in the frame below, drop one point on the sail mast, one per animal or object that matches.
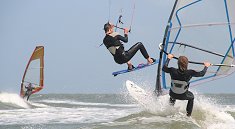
(158, 89)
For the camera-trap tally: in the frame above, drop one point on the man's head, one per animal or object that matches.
(183, 63)
(108, 27)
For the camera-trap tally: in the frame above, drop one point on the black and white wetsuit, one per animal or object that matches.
(180, 84)
(116, 48)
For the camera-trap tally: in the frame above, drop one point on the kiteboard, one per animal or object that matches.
(138, 67)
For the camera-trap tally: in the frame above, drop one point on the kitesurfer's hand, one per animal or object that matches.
(207, 64)
(170, 56)
(126, 30)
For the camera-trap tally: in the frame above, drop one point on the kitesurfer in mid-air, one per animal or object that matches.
(180, 81)
(112, 41)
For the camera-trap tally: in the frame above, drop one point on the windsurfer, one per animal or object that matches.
(112, 41)
(29, 90)
(180, 81)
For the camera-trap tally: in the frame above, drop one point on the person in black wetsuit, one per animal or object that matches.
(28, 91)
(112, 41)
(180, 81)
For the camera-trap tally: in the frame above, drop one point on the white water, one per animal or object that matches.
(207, 113)
(40, 113)
(14, 99)
(87, 104)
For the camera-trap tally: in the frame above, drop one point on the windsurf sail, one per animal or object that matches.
(34, 72)
(202, 30)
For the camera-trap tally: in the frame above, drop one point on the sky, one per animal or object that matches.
(71, 32)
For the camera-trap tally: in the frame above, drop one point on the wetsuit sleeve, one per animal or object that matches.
(124, 39)
(199, 74)
(165, 67)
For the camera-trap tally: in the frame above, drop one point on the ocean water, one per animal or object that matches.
(114, 111)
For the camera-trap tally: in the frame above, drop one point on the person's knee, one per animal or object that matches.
(190, 95)
(139, 44)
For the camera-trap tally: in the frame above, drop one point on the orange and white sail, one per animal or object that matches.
(34, 72)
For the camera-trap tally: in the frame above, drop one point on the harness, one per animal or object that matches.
(179, 87)
(113, 49)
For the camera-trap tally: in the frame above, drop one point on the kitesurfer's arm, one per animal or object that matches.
(203, 72)
(125, 38)
(165, 67)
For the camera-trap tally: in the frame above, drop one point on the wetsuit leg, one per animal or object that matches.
(26, 94)
(190, 98)
(132, 51)
(29, 93)
(28, 97)
(185, 96)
